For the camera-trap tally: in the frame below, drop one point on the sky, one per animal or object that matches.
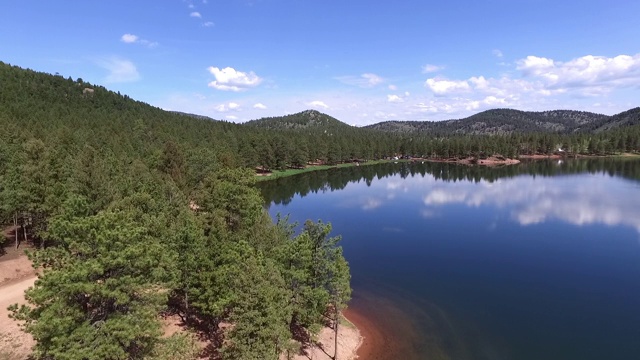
(360, 61)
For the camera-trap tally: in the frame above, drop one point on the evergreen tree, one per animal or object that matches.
(101, 288)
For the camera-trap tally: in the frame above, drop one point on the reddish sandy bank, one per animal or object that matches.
(349, 340)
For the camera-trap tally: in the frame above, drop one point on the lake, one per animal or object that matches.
(539, 260)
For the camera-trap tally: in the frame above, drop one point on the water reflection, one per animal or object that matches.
(576, 200)
(572, 199)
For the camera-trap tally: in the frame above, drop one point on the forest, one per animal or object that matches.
(138, 212)
(313, 136)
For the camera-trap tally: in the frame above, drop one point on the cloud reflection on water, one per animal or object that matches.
(578, 200)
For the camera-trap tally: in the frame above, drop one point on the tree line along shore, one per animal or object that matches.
(138, 212)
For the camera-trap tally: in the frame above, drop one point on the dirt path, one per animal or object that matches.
(16, 276)
(14, 344)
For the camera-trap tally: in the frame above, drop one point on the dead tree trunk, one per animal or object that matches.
(336, 321)
(24, 231)
(15, 229)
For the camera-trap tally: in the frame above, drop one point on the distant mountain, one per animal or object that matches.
(626, 118)
(508, 121)
(305, 120)
(195, 116)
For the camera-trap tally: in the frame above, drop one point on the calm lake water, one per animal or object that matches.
(534, 261)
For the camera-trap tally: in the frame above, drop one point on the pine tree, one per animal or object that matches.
(101, 287)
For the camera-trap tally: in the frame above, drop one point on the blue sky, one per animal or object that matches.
(360, 61)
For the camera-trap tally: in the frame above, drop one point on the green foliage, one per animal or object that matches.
(260, 314)
(101, 288)
(176, 347)
(316, 274)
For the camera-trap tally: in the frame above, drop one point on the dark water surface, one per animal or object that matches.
(534, 261)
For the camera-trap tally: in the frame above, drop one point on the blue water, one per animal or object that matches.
(532, 262)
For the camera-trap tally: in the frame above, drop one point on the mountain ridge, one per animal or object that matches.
(488, 122)
(509, 121)
(299, 121)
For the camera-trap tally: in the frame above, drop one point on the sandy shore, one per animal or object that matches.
(349, 341)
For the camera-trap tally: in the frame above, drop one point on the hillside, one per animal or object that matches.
(624, 119)
(508, 121)
(304, 120)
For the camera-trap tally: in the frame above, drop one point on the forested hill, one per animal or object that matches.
(139, 213)
(304, 120)
(627, 118)
(508, 121)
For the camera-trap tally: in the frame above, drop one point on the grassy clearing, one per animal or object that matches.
(346, 323)
(626, 155)
(290, 172)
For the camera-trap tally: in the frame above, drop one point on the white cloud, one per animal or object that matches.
(318, 104)
(590, 75)
(120, 70)
(208, 24)
(195, 14)
(366, 80)
(229, 79)
(394, 99)
(134, 39)
(129, 38)
(541, 80)
(497, 53)
(393, 87)
(260, 106)
(429, 68)
(372, 79)
(444, 86)
(535, 66)
(231, 117)
(227, 107)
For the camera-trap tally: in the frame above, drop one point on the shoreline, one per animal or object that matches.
(278, 174)
(265, 176)
(489, 162)
(369, 335)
